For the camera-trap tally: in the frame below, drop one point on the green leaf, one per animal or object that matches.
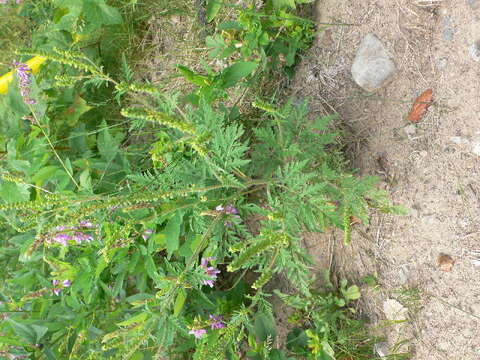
(108, 144)
(172, 233)
(24, 331)
(99, 13)
(233, 74)
(137, 319)
(264, 327)
(12, 192)
(193, 77)
(40, 331)
(213, 7)
(282, 4)
(179, 302)
(352, 293)
(73, 113)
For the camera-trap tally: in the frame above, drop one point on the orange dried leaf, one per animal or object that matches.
(420, 106)
(445, 262)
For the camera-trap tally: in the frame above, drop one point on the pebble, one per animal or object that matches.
(403, 275)
(448, 32)
(373, 65)
(382, 349)
(394, 311)
(475, 308)
(474, 50)
(410, 130)
(474, 4)
(476, 147)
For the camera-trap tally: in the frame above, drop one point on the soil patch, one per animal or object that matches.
(431, 167)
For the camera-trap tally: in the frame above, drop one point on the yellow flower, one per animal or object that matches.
(34, 64)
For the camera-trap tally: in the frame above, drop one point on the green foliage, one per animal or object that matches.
(126, 211)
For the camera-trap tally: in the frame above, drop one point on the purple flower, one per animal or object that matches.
(209, 270)
(62, 238)
(57, 287)
(86, 224)
(231, 210)
(216, 322)
(24, 74)
(198, 333)
(146, 234)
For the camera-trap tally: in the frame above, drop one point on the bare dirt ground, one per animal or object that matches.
(431, 167)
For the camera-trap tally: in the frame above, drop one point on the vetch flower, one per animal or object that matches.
(231, 210)
(198, 333)
(24, 74)
(216, 322)
(146, 234)
(62, 238)
(210, 271)
(57, 287)
(86, 224)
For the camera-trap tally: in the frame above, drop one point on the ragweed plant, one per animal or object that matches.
(126, 211)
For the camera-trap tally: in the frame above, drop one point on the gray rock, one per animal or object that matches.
(475, 50)
(382, 349)
(474, 4)
(373, 65)
(394, 311)
(448, 34)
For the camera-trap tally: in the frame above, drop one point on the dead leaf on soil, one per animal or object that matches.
(445, 262)
(420, 106)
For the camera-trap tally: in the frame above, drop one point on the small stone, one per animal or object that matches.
(410, 130)
(448, 34)
(458, 140)
(476, 147)
(403, 275)
(373, 65)
(442, 63)
(474, 4)
(382, 349)
(445, 262)
(475, 308)
(394, 311)
(474, 50)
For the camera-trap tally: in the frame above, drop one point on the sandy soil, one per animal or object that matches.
(432, 167)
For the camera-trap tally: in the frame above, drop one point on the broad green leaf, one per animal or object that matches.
(137, 319)
(282, 4)
(73, 113)
(213, 7)
(193, 77)
(108, 144)
(44, 174)
(352, 293)
(24, 331)
(12, 192)
(99, 13)
(233, 74)
(40, 331)
(179, 302)
(172, 233)
(264, 327)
